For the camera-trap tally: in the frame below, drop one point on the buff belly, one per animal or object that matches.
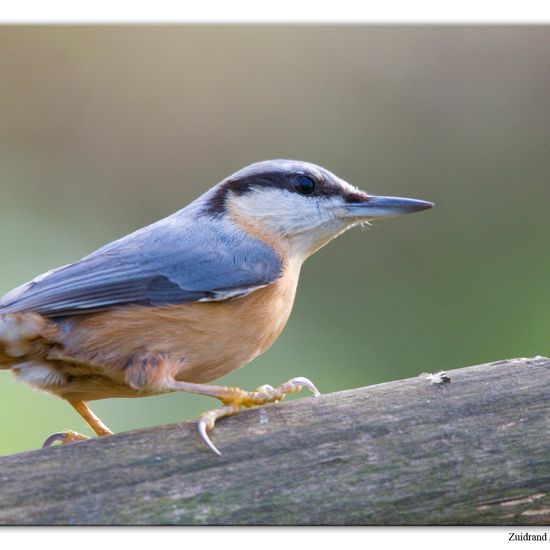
(133, 351)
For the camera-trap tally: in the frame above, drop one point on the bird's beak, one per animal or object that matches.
(385, 207)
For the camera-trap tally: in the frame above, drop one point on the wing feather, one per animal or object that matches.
(180, 259)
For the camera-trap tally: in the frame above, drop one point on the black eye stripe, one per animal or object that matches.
(300, 182)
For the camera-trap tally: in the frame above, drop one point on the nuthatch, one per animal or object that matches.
(187, 299)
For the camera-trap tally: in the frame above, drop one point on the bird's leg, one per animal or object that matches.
(234, 399)
(70, 436)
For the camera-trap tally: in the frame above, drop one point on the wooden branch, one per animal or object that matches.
(472, 451)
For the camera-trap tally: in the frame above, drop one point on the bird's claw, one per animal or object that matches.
(301, 382)
(207, 421)
(64, 438)
(202, 428)
(235, 399)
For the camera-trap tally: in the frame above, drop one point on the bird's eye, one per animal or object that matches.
(304, 185)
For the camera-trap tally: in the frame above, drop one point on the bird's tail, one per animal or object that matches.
(23, 336)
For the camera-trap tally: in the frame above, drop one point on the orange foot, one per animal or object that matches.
(234, 399)
(63, 438)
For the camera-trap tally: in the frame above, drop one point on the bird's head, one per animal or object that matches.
(301, 204)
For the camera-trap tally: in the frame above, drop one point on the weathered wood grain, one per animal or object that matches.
(473, 451)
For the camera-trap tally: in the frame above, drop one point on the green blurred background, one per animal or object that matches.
(106, 129)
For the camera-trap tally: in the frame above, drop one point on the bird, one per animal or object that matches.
(186, 300)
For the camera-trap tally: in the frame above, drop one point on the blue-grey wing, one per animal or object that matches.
(173, 261)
